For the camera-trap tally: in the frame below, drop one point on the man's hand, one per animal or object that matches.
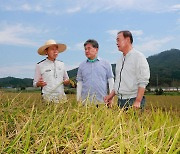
(137, 104)
(41, 83)
(140, 94)
(66, 82)
(108, 100)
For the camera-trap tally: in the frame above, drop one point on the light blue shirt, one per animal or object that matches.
(94, 77)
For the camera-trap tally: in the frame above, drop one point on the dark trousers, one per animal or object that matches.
(126, 103)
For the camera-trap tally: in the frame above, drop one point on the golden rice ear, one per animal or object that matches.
(72, 83)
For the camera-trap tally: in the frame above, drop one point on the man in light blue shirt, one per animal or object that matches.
(94, 76)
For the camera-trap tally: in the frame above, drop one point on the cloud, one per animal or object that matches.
(26, 7)
(21, 6)
(113, 32)
(175, 7)
(178, 22)
(77, 47)
(136, 32)
(15, 34)
(22, 71)
(73, 10)
(152, 46)
(121, 5)
(71, 6)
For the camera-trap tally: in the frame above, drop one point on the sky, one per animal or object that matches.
(25, 25)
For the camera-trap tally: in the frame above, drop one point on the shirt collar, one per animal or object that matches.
(50, 60)
(129, 53)
(94, 60)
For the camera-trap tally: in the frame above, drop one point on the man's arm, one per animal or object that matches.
(108, 98)
(66, 78)
(143, 79)
(38, 80)
(139, 97)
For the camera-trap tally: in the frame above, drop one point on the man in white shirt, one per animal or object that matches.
(50, 73)
(132, 74)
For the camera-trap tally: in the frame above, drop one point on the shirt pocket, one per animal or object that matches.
(129, 67)
(101, 74)
(60, 72)
(47, 75)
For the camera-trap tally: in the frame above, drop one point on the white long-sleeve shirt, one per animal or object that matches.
(132, 72)
(53, 73)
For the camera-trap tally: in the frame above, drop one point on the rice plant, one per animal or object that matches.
(27, 125)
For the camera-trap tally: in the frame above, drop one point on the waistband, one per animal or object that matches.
(126, 96)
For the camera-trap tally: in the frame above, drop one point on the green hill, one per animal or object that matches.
(165, 68)
(73, 73)
(15, 82)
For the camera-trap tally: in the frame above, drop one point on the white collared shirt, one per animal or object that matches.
(53, 73)
(132, 72)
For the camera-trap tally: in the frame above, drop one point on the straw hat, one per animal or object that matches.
(61, 47)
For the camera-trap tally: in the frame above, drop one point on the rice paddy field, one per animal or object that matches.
(27, 125)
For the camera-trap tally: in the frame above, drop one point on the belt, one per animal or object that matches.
(125, 96)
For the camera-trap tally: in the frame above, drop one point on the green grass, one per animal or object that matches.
(29, 126)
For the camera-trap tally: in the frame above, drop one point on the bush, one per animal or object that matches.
(70, 91)
(159, 91)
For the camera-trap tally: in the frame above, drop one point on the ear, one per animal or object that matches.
(128, 39)
(46, 51)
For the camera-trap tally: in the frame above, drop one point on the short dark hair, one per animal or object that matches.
(127, 33)
(94, 43)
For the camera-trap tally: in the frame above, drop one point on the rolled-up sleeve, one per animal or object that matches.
(79, 74)
(37, 75)
(109, 71)
(65, 76)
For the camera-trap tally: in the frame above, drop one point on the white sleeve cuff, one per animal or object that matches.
(34, 84)
(79, 89)
(111, 84)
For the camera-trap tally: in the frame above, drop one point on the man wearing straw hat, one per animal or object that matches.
(50, 73)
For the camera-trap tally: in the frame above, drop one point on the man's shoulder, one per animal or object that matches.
(59, 61)
(104, 61)
(83, 63)
(41, 61)
(137, 54)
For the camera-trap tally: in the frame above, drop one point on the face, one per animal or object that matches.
(52, 52)
(121, 42)
(90, 51)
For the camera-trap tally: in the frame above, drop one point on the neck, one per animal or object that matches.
(92, 60)
(127, 49)
(51, 59)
